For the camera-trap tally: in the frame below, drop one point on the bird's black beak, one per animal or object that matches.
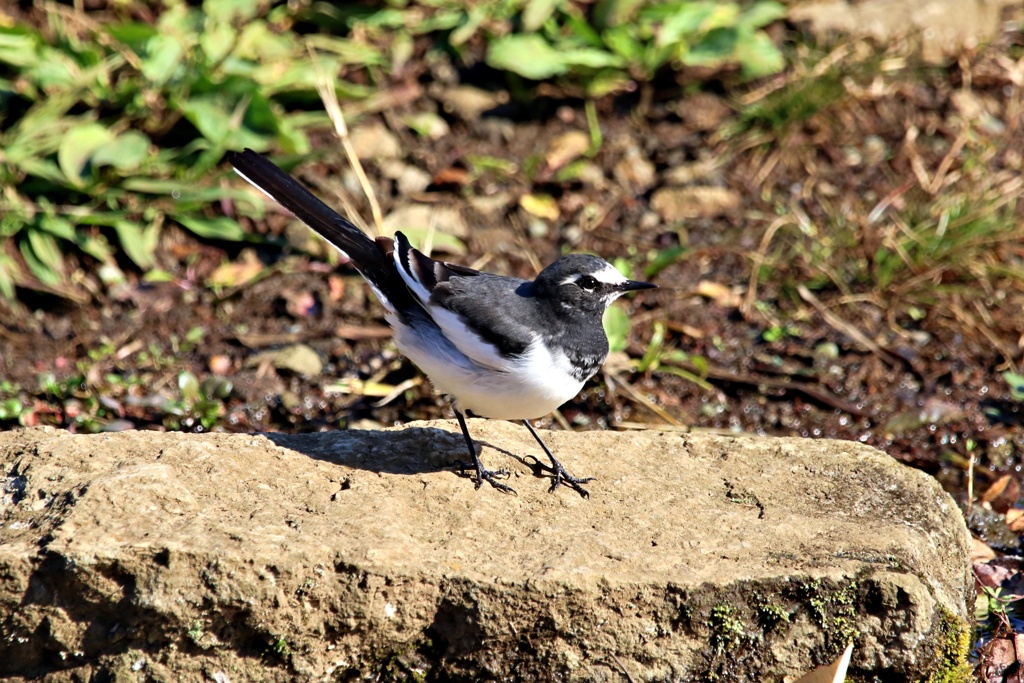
(633, 285)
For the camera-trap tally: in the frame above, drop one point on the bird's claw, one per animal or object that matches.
(560, 475)
(490, 476)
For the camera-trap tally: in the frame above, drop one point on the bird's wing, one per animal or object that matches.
(427, 279)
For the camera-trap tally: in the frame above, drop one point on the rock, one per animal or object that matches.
(374, 141)
(469, 103)
(944, 27)
(703, 171)
(447, 219)
(297, 358)
(410, 179)
(566, 148)
(355, 554)
(679, 203)
(428, 124)
(703, 111)
(491, 207)
(634, 173)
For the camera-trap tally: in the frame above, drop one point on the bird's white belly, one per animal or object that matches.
(528, 387)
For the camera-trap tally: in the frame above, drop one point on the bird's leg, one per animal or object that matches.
(561, 475)
(482, 474)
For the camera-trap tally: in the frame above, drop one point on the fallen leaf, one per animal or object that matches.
(1002, 494)
(451, 176)
(722, 295)
(540, 205)
(1001, 656)
(297, 358)
(234, 273)
(981, 551)
(1015, 519)
(678, 203)
(361, 332)
(359, 388)
(991, 575)
(565, 148)
(830, 673)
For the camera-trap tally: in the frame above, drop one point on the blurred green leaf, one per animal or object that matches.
(537, 12)
(40, 251)
(615, 12)
(125, 152)
(217, 40)
(231, 11)
(210, 115)
(663, 260)
(761, 14)
(347, 50)
(758, 56)
(590, 57)
(528, 55)
(652, 356)
(217, 228)
(9, 273)
(162, 58)
(616, 326)
(1016, 382)
(137, 242)
(57, 226)
(188, 385)
(687, 21)
(18, 46)
(624, 42)
(78, 146)
(474, 17)
(715, 48)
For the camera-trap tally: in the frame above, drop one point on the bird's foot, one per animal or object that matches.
(483, 474)
(560, 474)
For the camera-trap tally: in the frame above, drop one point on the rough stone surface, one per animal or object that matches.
(337, 556)
(944, 27)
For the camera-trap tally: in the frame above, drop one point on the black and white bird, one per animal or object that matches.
(501, 347)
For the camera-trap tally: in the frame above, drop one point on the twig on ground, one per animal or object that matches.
(325, 87)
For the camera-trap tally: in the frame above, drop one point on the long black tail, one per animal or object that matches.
(366, 255)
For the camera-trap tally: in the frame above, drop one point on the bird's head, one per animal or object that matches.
(581, 282)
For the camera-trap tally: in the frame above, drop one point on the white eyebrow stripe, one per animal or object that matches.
(571, 279)
(609, 275)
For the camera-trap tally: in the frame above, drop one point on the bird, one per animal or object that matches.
(501, 347)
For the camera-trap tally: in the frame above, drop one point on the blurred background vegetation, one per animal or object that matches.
(111, 129)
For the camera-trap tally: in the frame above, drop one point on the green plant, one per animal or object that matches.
(109, 129)
(11, 406)
(996, 604)
(662, 357)
(628, 40)
(602, 47)
(1016, 383)
(200, 406)
(727, 631)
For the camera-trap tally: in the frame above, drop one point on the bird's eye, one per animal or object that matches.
(587, 283)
